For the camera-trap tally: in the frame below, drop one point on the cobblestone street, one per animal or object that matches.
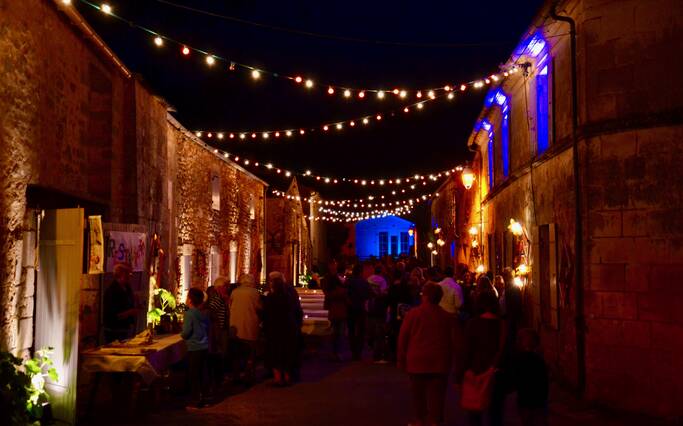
(359, 393)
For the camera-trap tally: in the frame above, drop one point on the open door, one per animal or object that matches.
(57, 303)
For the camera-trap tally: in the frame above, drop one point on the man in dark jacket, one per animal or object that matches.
(359, 294)
(119, 306)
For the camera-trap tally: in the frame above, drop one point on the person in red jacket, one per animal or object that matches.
(426, 347)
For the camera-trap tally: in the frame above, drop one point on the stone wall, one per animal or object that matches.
(630, 127)
(239, 218)
(287, 225)
(75, 130)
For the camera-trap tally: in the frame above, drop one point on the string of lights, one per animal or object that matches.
(358, 202)
(354, 216)
(411, 182)
(347, 92)
(325, 128)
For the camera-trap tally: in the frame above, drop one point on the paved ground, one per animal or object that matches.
(332, 393)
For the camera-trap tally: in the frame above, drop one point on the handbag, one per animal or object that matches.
(477, 390)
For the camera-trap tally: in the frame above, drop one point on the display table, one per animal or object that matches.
(148, 361)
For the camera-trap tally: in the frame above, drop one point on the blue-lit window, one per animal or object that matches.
(542, 110)
(404, 243)
(491, 151)
(492, 154)
(505, 142)
(383, 244)
(394, 245)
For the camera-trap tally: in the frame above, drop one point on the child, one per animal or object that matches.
(196, 334)
(531, 379)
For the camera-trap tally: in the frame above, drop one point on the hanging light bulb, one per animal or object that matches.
(288, 133)
(347, 93)
(330, 90)
(380, 94)
(420, 105)
(473, 231)
(366, 121)
(106, 8)
(255, 74)
(361, 94)
(516, 228)
(406, 109)
(450, 96)
(309, 83)
(339, 126)
(185, 50)
(431, 94)
(210, 60)
(158, 41)
(430, 245)
(419, 94)
(440, 242)
(298, 79)
(434, 252)
(467, 177)
(403, 94)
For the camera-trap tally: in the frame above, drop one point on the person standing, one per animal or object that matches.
(399, 303)
(426, 346)
(337, 301)
(119, 306)
(531, 379)
(359, 294)
(245, 305)
(196, 335)
(280, 325)
(218, 335)
(377, 316)
(483, 351)
(452, 299)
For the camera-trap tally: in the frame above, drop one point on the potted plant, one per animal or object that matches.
(23, 399)
(162, 313)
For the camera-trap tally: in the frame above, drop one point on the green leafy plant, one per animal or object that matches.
(165, 305)
(22, 394)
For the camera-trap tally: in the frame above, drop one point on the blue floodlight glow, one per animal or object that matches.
(542, 111)
(491, 148)
(505, 143)
(368, 239)
(532, 46)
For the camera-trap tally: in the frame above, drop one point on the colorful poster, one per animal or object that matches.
(126, 247)
(96, 245)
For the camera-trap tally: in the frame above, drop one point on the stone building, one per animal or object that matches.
(596, 193)
(289, 247)
(80, 136)
(221, 217)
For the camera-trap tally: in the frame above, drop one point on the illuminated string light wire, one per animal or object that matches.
(412, 182)
(370, 201)
(348, 92)
(325, 128)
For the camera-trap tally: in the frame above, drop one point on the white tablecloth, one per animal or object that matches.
(147, 360)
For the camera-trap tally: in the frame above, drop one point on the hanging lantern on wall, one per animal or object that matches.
(467, 177)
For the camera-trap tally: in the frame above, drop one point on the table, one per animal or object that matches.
(146, 360)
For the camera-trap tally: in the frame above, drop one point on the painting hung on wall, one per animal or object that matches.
(126, 247)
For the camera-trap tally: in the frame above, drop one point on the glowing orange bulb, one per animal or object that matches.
(361, 95)
(406, 109)
(325, 128)
(185, 51)
(298, 79)
(330, 90)
(379, 117)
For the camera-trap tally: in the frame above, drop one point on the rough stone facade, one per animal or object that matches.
(236, 222)
(630, 123)
(288, 239)
(77, 129)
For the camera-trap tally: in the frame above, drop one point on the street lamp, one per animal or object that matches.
(467, 177)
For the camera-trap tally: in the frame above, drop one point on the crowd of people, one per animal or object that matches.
(223, 328)
(436, 324)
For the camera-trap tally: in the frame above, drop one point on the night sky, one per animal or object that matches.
(215, 98)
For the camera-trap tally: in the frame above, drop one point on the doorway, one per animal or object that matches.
(57, 303)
